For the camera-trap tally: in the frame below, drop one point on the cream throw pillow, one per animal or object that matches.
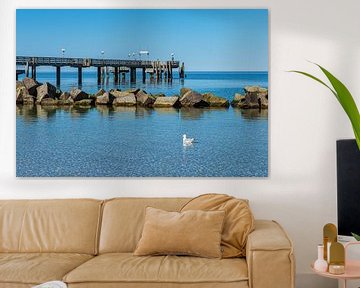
(193, 232)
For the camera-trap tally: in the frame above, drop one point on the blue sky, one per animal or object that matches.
(206, 40)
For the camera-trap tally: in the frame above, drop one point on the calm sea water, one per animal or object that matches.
(129, 141)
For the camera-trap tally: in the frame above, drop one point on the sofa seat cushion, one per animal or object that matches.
(127, 268)
(36, 268)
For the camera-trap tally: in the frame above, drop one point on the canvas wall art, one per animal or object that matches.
(142, 93)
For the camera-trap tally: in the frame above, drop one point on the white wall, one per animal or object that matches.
(305, 120)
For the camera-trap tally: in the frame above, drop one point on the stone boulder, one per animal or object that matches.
(77, 94)
(144, 99)
(92, 97)
(158, 95)
(29, 100)
(263, 101)
(256, 90)
(172, 101)
(21, 93)
(65, 96)
(133, 91)
(215, 101)
(45, 90)
(19, 84)
(255, 98)
(31, 85)
(49, 102)
(58, 93)
(118, 93)
(105, 99)
(128, 100)
(183, 91)
(66, 102)
(100, 92)
(84, 103)
(193, 99)
(237, 99)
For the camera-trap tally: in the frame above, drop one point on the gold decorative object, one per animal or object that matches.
(337, 258)
(336, 269)
(330, 236)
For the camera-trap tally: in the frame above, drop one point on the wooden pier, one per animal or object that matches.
(158, 69)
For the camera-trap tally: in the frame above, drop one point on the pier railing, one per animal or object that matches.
(88, 62)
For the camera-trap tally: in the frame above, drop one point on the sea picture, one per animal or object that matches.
(142, 93)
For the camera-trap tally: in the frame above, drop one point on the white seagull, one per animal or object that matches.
(187, 141)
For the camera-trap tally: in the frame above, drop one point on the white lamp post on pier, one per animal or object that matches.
(63, 50)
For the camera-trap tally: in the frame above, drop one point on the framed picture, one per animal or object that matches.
(142, 93)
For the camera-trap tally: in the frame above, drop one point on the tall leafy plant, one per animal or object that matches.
(344, 97)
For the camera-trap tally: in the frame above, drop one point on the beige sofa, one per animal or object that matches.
(89, 243)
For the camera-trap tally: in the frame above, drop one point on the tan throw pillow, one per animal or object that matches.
(195, 233)
(239, 220)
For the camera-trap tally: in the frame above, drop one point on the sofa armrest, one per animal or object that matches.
(269, 256)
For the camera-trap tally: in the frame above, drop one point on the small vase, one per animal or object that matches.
(320, 264)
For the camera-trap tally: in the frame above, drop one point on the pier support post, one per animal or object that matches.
(58, 75)
(182, 71)
(123, 77)
(99, 75)
(162, 71)
(116, 75)
(103, 72)
(133, 74)
(157, 70)
(27, 69)
(33, 72)
(170, 70)
(143, 74)
(166, 71)
(80, 75)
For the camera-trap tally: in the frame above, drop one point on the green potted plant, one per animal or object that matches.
(357, 237)
(345, 99)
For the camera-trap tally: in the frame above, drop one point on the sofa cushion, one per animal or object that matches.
(239, 220)
(36, 268)
(126, 268)
(123, 220)
(63, 226)
(194, 232)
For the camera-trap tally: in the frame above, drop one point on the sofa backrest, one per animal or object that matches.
(123, 220)
(67, 226)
